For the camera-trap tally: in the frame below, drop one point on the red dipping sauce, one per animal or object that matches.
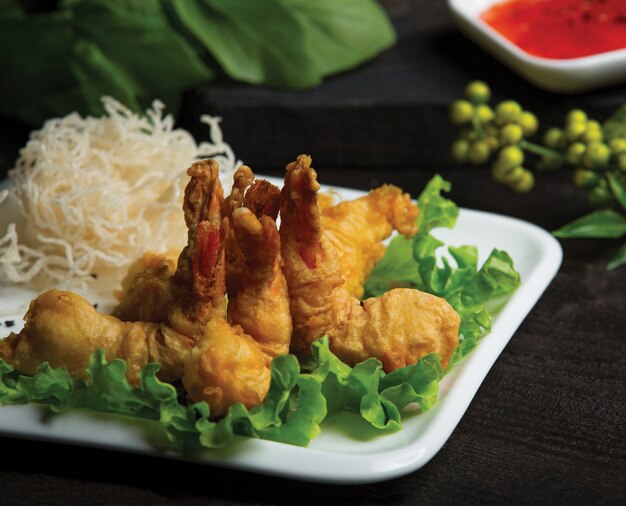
(561, 29)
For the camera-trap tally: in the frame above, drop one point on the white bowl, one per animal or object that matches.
(565, 76)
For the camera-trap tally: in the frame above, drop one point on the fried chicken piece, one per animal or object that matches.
(398, 328)
(356, 229)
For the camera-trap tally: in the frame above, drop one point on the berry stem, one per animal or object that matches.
(478, 128)
(541, 150)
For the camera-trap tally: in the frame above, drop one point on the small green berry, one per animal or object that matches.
(553, 138)
(468, 133)
(493, 142)
(525, 183)
(592, 133)
(599, 196)
(585, 178)
(596, 155)
(461, 112)
(511, 156)
(511, 134)
(529, 123)
(483, 113)
(478, 152)
(575, 130)
(595, 125)
(575, 153)
(576, 116)
(514, 175)
(618, 145)
(508, 111)
(498, 172)
(459, 150)
(478, 92)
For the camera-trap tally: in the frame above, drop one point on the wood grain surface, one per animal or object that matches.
(547, 425)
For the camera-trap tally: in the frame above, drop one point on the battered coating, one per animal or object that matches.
(398, 328)
(146, 293)
(231, 362)
(63, 329)
(356, 229)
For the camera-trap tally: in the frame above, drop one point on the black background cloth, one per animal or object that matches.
(547, 424)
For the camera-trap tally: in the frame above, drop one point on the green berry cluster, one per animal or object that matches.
(592, 157)
(493, 132)
(501, 135)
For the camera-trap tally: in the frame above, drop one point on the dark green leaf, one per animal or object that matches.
(615, 125)
(255, 42)
(65, 60)
(618, 259)
(141, 29)
(44, 42)
(598, 224)
(342, 34)
(11, 9)
(618, 188)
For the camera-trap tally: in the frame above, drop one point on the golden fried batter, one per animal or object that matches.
(285, 289)
(146, 293)
(64, 329)
(398, 328)
(231, 362)
(356, 229)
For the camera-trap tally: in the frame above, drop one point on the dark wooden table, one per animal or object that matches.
(547, 425)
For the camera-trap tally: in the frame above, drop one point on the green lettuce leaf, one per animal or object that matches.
(296, 404)
(457, 278)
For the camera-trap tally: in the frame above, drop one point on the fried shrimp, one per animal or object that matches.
(146, 292)
(231, 361)
(263, 199)
(64, 329)
(356, 229)
(398, 328)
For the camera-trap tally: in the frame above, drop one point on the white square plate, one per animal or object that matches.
(347, 451)
(565, 76)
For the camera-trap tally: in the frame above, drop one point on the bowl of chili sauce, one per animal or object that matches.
(565, 46)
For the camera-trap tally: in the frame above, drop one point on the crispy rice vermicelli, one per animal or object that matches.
(94, 193)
